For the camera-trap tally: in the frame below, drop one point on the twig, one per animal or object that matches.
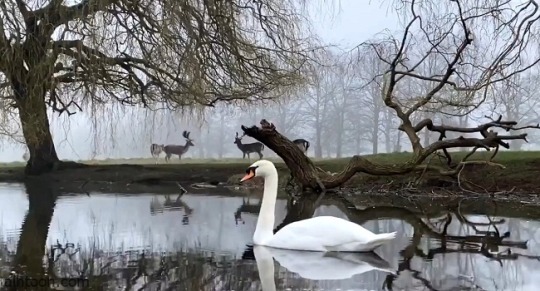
(182, 189)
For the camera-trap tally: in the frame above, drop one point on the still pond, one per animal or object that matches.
(203, 242)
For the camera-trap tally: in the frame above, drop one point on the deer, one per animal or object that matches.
(179, 150)
(302, 144)
(248, 148)
(156, 150)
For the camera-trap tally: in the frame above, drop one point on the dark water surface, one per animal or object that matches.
(201, 242)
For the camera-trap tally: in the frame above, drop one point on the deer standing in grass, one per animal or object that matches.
(302, 144)
(248, 148)
(156, 150)
(179, 150)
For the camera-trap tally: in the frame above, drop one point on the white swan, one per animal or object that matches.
(321, 233)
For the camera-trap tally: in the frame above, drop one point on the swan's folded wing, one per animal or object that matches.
(319, 233)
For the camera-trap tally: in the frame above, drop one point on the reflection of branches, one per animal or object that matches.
(181, 270)
(485, 243)
(474, 225)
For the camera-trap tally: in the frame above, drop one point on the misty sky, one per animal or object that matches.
(345, 23)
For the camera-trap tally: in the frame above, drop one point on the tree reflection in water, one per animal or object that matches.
(485, 243)
(208, 270)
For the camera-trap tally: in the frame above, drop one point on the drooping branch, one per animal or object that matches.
(310, 176)
(58, 13)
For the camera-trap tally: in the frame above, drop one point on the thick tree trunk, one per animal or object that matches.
(36, 130)
(339, 133)
(375, 131)
(318, 142)
(387, 131)
(375, 141)
(222, 139)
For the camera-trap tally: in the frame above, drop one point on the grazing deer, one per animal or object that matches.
(302, 144)
(248, 148)
(155, 150)
(179, 150)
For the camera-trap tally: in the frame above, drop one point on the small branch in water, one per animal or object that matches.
(182, 189)
(82, 187)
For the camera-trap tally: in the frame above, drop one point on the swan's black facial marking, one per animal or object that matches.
(250, 173)
(251, 169)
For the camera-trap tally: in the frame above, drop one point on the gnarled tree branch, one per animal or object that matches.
(309, 176)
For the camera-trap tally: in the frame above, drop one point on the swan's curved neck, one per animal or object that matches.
(265, 223)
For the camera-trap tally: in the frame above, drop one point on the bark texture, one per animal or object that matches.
(36, 130)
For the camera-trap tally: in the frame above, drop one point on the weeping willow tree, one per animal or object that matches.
(65, 57)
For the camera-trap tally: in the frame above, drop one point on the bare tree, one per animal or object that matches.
(426, 34)
(317, 103)
(340, 102)
(517, 98)
(288, 113)
(369, 104)
(150, 53)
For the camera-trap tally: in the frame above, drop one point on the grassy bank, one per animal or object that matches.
(521, 173)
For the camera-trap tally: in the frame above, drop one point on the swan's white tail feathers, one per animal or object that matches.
(355, 246)
(383, 238)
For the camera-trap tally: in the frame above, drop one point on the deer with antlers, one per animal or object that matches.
(248, 148)
(179, 150)
(302, 144)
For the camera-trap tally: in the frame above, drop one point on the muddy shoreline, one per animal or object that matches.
(224, 178)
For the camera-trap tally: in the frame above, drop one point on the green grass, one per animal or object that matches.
(521, 170)
(503, 157)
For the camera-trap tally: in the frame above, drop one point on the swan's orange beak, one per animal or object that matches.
(249, 175)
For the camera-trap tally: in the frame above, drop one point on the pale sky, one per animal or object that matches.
(351, 22)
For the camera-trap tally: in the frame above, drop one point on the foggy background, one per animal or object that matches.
(340, 116)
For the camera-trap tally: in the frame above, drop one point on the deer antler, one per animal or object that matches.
(185, 134)
(236, 135)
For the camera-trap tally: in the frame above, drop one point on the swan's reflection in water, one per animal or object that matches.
(323, 266)
(315, 265)
(118, 243)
